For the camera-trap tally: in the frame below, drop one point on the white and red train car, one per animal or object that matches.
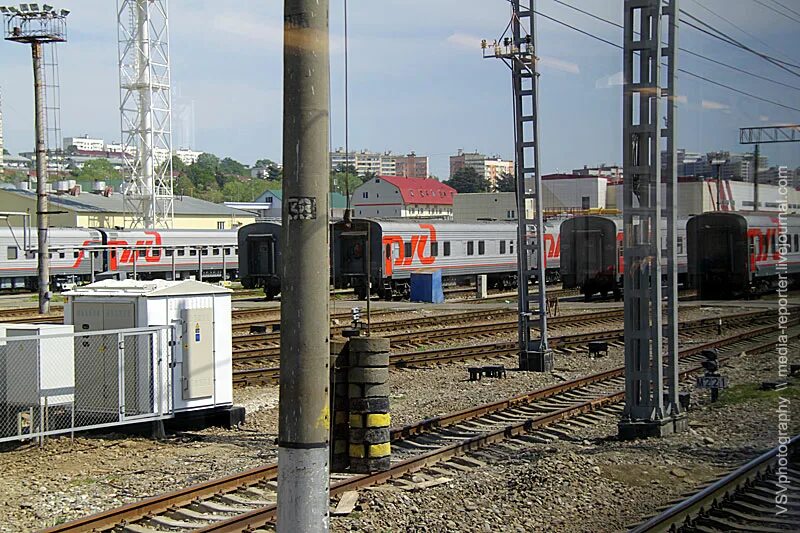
(739, 254)
(592, 258)
(76, 254)
(461, 250)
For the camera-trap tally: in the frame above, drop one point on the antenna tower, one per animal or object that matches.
(145, 110)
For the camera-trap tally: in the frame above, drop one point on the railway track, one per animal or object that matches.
(743, 500)
(245, 373)
(246, 501)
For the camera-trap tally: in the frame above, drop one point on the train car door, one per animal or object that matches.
(261, 254)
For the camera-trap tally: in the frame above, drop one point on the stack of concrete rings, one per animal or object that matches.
(368, 391)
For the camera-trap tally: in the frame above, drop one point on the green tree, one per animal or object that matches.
(201, 176)
(178, 166)
(274, 170)
(207, 160)
(6, 152)
(466, 179)
(96, 170)
(506, 183)
(232, 167)
(345, 182)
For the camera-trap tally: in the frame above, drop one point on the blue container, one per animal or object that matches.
(426, 286)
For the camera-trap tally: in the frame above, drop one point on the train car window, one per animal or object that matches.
(680, 245)
(388, 251)
(481, 247)
(169, 253)
(227, 251)
(181, 251)
(205, 251)
(435, 249)
(774, 248)
(155, 253)
(511, 247)
(408, 250)
(192, 252)
(236, 250)
(470, 248)
(62, 254)
(11, 252)
(215, 251)
(796, 243)
(76, 254)
(502, 247)
(446, 248)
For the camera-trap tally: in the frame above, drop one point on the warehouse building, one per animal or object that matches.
(74, 208)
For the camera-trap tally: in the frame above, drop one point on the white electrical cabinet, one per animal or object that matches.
(198, 360)
(37, 371)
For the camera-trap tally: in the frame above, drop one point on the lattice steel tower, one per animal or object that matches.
(145, 109)
(649, 125)
(517, 48)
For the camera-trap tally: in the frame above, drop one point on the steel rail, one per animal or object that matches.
(683, 513)
(244, 375)
(161, 503)
(260, 517)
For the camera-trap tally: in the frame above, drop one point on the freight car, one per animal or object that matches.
(77, 255)
(397, 248)
(732, 255)
(592, 254)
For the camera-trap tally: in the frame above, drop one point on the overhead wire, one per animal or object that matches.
(718, 34)
(681, 70)
(346, 114)
(690, 52)
(777, 11)
(787, 8)
(731, 23)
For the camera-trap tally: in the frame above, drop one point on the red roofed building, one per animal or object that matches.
(398, 197)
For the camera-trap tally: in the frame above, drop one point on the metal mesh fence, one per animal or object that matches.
(59, 383)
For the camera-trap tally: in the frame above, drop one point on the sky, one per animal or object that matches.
(417, 79)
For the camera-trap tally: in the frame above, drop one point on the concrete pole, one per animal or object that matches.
(41, 180)
(304, 418)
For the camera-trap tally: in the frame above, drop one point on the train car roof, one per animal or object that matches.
(765, 218)
(398, 224)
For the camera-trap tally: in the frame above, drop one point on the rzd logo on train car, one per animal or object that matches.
(418, 243)
(122, 255)
(764, 245)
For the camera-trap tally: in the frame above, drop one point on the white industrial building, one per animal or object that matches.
(84, 144)
(186, 155)
(695, 197)
(573, 193)
(471, 207)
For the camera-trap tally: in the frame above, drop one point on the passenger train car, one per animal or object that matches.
(740, 254)
(592, 257)
(397, 248)
(77, 253)
(260, 257)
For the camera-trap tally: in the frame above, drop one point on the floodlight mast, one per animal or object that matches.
(29, 25)
(145, 111)
(517, 48)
